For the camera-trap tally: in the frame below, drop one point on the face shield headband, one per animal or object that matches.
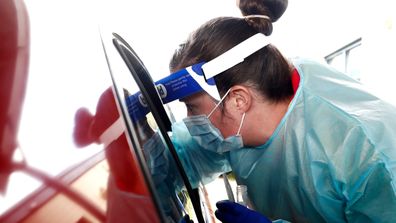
(198, 77)
(203, 73)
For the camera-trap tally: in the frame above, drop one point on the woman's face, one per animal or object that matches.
(199, 104)
(203, 104)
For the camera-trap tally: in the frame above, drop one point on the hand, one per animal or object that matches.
(231, 212)
(186, 219)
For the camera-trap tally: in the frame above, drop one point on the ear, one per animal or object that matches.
(240, 98)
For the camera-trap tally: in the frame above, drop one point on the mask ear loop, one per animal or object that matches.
(217, 105)
(240, 125)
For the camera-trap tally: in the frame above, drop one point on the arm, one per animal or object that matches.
(373, 197)
(370, 191)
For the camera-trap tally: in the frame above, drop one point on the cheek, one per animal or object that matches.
(228, 131)
(225, 125)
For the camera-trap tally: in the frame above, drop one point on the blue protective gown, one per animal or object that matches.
(332, 158)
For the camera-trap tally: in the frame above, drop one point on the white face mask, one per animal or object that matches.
(209, 137)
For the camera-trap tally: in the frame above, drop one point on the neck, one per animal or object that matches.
(263, 119)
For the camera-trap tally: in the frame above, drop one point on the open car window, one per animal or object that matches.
(148, 127)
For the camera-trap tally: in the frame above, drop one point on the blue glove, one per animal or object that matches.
(231, 212)
(186, 219)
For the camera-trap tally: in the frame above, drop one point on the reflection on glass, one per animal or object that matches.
(157, 161)
(126, 194)
(148, 143)
(173, 198)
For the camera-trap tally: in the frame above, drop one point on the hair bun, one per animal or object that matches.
(271, 8)
(261, 23)
(257, 11)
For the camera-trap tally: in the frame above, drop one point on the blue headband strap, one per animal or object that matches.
(175, 86)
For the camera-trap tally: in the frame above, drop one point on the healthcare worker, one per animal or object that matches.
(310, 143)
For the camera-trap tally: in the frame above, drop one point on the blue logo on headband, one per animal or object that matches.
(178, 85)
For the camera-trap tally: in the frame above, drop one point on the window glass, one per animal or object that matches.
(147, 133)
(338, 62)
(355, 62)
(348, 59)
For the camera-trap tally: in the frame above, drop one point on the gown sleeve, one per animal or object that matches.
(370, 189)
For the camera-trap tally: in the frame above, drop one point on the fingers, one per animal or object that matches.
(231, 212)
(228, 211)
(223, 216)
(231, 207)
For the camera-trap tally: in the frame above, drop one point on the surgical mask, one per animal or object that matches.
(154, 152)
(209, 137)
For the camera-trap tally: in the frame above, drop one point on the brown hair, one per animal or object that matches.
(266, 70)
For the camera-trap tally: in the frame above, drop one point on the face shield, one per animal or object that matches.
(198, 77)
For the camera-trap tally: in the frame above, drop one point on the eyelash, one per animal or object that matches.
(189, 108)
